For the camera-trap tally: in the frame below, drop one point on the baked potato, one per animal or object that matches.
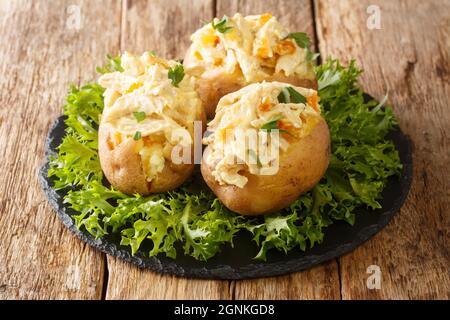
(291, 116)
(148, 119)
(229, 54)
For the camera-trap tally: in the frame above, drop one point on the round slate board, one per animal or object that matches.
(237, 262)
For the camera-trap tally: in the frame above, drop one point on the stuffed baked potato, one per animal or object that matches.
(148, 118)
(229, 54)
(250, 180)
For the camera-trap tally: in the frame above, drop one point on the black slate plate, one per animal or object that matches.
(237, 262)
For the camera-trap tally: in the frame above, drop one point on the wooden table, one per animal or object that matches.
(44, 50)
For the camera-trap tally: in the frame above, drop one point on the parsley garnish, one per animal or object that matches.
(176, 74)
(112, 64)
(140, 116)
(300, 38)
(303, 41)
(137, 135)
(290, 95)
(273, 125)
(221, 26)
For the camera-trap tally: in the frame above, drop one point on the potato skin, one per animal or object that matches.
(301, 168)
(212, 89)
(215, 85)
(122, 167)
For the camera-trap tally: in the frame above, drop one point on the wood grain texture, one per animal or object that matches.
(321, 282)
(296, 15)
(408, 58)
(164, 26)
(127, 281)
(41, 56)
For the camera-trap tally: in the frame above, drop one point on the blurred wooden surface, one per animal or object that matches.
(44, 50)
(408, 58)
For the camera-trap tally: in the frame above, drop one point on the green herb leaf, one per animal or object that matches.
(221, 26)
(112, 64)
(137, 135)
(272, 124)
(176, 74)
(300, 38)
(284, 96)
(139, 116)
(311, 56)
(290, 95)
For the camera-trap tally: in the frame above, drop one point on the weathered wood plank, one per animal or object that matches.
(164, 26)
(321, 282)
(127, 281)
(409, 58)
(43, 52)
(295, 14)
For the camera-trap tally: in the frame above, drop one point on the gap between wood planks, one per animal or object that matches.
(105, 284)
(315, 40)
(319, 61)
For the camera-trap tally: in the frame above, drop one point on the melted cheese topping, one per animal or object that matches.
(253, 49)
(170, 111)
(247, 112)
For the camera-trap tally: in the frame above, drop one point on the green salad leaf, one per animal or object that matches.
(362, 160)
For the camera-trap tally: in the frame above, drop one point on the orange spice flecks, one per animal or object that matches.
(114, 140)
(288, 127)
(264, 18)
(134, 86)
(216, 41)
(218, 62)
(153, 139)
(313, 101)
(118, 138)
(223, 132)
(264, 106)
(110, 143)
(210, 39)
(198, 55)
(270, 62)
(285, 46)
(262, 52)
(263, 49)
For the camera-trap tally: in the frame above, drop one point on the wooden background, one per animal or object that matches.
(41, 54)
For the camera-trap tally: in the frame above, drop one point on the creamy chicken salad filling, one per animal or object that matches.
(252, 48)
(254, 125)
(154, 103)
